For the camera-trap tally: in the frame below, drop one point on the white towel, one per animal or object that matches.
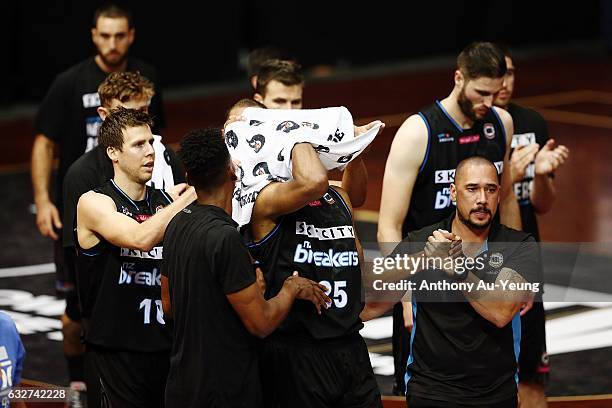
(261, 147)
(162, 177)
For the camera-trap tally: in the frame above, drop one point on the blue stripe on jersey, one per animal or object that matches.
(350, 213)
(407, 376)
(501, 125)
(428, 142)
(516, 333)
(459, 128)
(267, 237)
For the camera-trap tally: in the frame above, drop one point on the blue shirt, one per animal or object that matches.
(11, 357)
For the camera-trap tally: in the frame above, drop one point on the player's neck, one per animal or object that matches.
(110, 68)
(452, 107)
(467, 233)
(218, 197)
(135, 190)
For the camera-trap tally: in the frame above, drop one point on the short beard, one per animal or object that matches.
(466, 106)
(113, 64)
(467, 222)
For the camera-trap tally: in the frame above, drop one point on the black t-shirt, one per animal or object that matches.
(456, 354)
(68, 116)
(447, 145)
(92, 170)
(318, 241)
(213, 360)
(529, 128)
(120, 288)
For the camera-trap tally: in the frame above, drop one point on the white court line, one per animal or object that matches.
(27, 270)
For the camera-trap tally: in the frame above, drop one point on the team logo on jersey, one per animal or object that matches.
(315, 203)
(280, 156)
(322, 234)
(313, 126)
(91, 100)
(125, 211)
(254, 122)
(523, 139)
(496, 260)
(321, 149)
(336, 137)
(231, 139)
(257, 142)
(329, 199)
(489, 130)
(469, 139)
(445, 137)
(287, 126)
(444, 176)
(142, 217)
(325, 258)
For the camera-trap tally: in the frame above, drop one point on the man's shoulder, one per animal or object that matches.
(507, 234)
(76, 70)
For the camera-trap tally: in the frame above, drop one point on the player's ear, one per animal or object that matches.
(453, 192)
(258, 98)
(459, 79)
(111, 152)
(102, 112)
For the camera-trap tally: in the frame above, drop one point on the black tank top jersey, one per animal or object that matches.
(119, 288)
(318, 241)
(447, 145)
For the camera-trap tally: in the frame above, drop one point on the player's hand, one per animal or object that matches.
(231, 119)
(306, 289)
(360, 130)
(528, 304)
(520, 159)
(407, 314)
(47, 219)
(261, 282)
(176, 191)
(550, 158)
(439, 244)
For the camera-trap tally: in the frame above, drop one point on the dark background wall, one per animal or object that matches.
(200, 42)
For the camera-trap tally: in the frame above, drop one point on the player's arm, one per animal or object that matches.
(47, 215)
(165, 297)
(508, 207)
(498, 306)
(309, 183)
(405, 159)
(547, 161)
(261, 317)
(97, 217)
(354, 181)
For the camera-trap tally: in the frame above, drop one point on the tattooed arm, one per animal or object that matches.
(500, 305)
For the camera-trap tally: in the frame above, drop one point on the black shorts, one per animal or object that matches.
(400, 342)
(65, 266)
(130, 379)
(417, 402)
(533, 360)
(318, 374)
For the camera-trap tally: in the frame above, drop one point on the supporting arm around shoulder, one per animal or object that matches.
(97, 216)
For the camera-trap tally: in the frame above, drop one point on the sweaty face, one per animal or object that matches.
(281, 96)
(113, 38)
(476, 191)
(137, 155)
(477, 95)
(505, 95)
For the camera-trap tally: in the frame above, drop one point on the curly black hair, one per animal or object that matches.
(205, 157)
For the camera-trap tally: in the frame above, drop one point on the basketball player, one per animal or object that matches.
(425, 151)
(118, 232)
(210, 288)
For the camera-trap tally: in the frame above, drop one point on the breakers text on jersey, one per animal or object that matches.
(147, 278)
(341, 231)
(329, 258)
